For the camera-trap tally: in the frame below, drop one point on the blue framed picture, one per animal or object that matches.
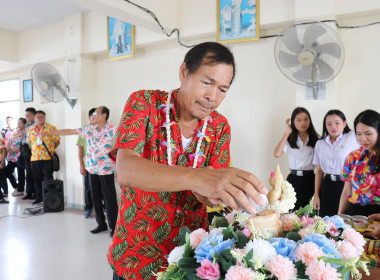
(120, 39)
(27, 89)
(237, 20)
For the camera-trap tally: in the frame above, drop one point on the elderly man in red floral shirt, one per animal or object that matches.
(160, 137)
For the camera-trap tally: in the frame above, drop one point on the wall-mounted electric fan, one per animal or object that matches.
(50, 84)
(309, 53)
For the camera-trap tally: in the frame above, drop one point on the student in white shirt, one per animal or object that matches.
(298, 141)
(330, 152)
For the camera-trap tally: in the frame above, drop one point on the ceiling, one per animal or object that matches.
(22, 15)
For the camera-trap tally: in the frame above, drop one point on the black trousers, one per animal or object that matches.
(304, 188)
(30, 190)
(42, 171)
(3, 182)
(20, 175)
(88, 205)
(329, 196)
(103, 186)
(357, 209)
(116, 277)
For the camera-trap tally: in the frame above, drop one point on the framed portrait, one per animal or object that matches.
(120, 39)
(27, 89)
(237, 20)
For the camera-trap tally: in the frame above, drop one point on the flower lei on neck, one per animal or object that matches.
(167, 124)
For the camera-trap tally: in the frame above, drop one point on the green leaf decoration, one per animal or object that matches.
(146, 198)
(142, 225)
(118, 251)
(220, 222)
(225, 260)
(130, 213)
(148, 270)
(139, 148)
(179, 220)
(241, 239)
(129, 193)
(188, 264)
(129, 136)
(301, 268)
(228, 233)
(130, 262)
(121, 231)
(149, 250)
(190, 203)
(188, 252)
(128, 275)
(162, 233)
(248, 258)
(182, 234)
(165, 197)
(137, 106)
(157, 213)
(293, 236)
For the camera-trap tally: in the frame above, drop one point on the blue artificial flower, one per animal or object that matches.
(338, 221)
(211, 246)
(284, 247)
(323, 242)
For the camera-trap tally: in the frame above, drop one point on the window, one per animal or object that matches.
(9, 102)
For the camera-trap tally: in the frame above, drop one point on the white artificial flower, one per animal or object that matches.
(287, 201)
(176, 254)
(261, 249)
(217, 231)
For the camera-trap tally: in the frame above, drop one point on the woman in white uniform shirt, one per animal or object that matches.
(329, 155)
(298, 141)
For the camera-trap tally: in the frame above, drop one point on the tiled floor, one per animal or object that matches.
(53, 246)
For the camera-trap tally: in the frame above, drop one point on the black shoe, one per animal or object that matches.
(3, 201)
(28, 196)
(111, 233)
(99, 229)
(37, 201)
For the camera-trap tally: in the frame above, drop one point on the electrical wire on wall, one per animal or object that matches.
(261, 37)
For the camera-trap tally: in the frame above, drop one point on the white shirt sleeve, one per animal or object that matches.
(316, 160)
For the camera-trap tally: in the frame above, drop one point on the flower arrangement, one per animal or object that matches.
(311, 247)
(299, 245)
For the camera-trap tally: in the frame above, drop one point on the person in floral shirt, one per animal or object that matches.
(361, 171)
(3, 178)
(15, 159)
(180, 129)
(99, 138)
(41, 162)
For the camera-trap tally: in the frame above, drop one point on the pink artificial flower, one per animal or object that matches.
(208, 270)
(332, 229)
(282, 268)
(355, 238)
(237, 272)
(308, 252)
(246, 232)
(230, 217)
(304, 231)
(318, 270)
(288, 221)
(306, 221)
(347, 250)
(196, 237)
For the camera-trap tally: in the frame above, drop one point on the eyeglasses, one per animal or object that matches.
(40, 117)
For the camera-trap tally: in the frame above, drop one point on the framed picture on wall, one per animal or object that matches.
(120, 39)
(27, 89)
(237, 20)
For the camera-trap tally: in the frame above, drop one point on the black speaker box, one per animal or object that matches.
(52, 195)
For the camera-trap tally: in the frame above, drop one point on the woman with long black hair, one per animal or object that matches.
(361, 171)
(298, 141)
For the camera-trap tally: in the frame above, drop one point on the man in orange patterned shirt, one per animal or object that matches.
(41, 162)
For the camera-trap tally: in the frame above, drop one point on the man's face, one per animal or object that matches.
(98, 117)
(92, 118)
(203, 91)
(40, 119)
(29, 117)
(9, 122)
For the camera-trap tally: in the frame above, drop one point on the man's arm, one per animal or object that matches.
(56, 143)
(81, 163)
(225, 184)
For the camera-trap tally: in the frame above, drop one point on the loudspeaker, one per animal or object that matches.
(52, 195)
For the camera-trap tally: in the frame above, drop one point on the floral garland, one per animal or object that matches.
(167, 124)
(287, 201)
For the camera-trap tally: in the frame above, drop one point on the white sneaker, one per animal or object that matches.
(16, 193)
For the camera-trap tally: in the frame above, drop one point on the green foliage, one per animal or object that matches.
(225, 260)
(301, 268)
(220, 222)
(241, 239)
(293, 236)
(162, 233)
(182, 234)
(188, 264)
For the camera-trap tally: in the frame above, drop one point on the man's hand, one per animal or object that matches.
(82, 170)
(210, 202)
(2, 164)
(374, 217)
(230, 185)
(317, 203)
(375, 233)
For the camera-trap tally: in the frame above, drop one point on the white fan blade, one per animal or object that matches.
(329, 48)
(325, 71)
(304, 74)
(312, 32)
(290, 40)
(287, 60)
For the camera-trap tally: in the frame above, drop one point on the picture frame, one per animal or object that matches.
(120, 39)
(27, 90)
(238, 20)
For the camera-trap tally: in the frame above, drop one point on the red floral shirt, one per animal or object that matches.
(148, 222)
